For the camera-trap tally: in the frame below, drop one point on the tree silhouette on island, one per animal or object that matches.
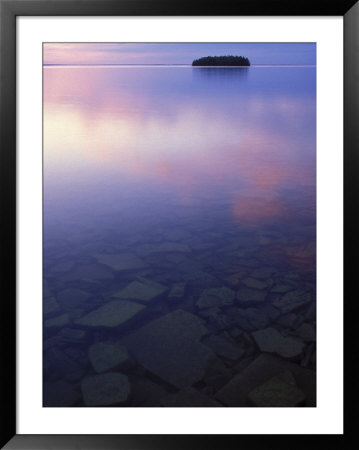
(222, 61)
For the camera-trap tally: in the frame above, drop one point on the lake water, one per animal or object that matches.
(179, 235)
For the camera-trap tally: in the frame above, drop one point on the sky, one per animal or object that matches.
(176, 53)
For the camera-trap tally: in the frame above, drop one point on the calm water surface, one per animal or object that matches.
(189, 178)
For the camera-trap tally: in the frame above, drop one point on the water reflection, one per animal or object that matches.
(168, 127)
(159, 185)
(165, 138)
(221, 72)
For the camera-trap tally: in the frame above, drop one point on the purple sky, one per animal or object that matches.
(176, 53)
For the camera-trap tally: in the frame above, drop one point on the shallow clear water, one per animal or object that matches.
(192, 178)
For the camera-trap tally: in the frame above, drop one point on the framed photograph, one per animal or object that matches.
(174, 186)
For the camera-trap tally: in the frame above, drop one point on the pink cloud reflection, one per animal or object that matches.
(118, 132)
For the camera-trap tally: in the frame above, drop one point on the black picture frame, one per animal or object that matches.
(9, 10)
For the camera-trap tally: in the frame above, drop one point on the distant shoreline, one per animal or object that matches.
(223, 60)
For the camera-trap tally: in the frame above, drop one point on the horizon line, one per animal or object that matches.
(170, 64)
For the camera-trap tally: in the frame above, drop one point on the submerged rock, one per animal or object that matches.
(62, 364)
(255, 318)
(46, 291)
(264, 367)
(105, 389)
(143, 290)
(251, 263)
(216, 297)
(263, 272)
(145, 392)
(199, 278)
(215, 318)
(89, 272)
(256, 284)
(50, 306)
(175, 258)
(288, 320)
(245, 294)
(104, 357)
(235, 332)
(177, 291)
(170, 348)
(281, 288)
(73, 335)
(311, 313)
(78, 354)
(305, 332)
(54, 341)
(292, 301)
(57, 322)
(271, 341)
(188, 397)
(73, 298)
(121, 262)
(224, 348)
(112, 314)
(234, 279)
(62, 267)
(276, 392)
(272, 312)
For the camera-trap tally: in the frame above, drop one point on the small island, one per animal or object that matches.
(222, 61)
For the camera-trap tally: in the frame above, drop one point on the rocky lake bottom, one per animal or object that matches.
(187, 313)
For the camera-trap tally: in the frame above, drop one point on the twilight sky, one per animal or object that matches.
(176, 53)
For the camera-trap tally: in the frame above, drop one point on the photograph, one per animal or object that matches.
(179, 224)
